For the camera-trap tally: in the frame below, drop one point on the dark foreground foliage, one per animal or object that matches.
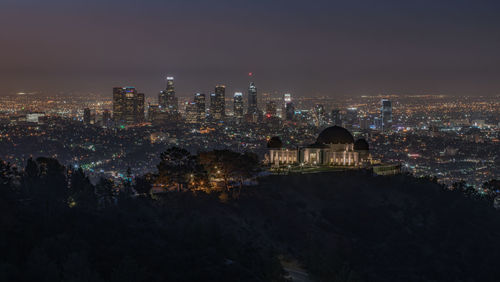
(345, 226)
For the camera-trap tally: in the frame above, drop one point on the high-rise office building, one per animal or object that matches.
(319, 115)
(287, 98)
(288, 108)
(290, 111)
(199, 99)
(238, 105)
(166, 99)
(336, 117)
(271, 109)
(106, 117)
(364, 123)
(386, 114)
(118, 103)
(87, 116)
(218, 103)
(377, 121)
(192, 114)
(252, 99)
(351, 117)
(211, 108)
(128, 105)
(139, 110)
(153, 112)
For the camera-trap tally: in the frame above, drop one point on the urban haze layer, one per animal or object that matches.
(451, 138)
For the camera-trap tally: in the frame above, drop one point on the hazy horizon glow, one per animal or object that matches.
(305, 48)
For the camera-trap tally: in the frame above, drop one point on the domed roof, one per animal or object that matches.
(274, 142)
(361, 145)
(335, 135)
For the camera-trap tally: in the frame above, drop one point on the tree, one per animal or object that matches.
(493, 186)
(142, 185)
(31, 169)
(50, 187)
(247, 167)
(176, 167)
(82, 192)
(106, 193)
(9, 179)
(229, 166)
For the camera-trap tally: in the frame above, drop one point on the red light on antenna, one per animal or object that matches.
(250, 74)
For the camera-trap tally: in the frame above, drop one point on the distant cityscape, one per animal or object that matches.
(451, 138)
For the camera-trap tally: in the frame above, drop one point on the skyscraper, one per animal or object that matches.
(87, 116)
(128, 105)
(287, 98)
(139, 108)
(351, 117)
(106, 117)
(167, 99)
(118, 103)
(386, 114)
(252, 99)
(199, 99)
(192, 115)
(238, 105)
(319, 114)
(289, 109)
(271, 109)
(153, 113)
(218, 103)
(336, 117)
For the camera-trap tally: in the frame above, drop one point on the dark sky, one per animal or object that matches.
(331, 47)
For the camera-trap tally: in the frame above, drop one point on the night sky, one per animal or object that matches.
(304, 47)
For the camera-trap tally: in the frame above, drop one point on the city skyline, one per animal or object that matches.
(322, 48)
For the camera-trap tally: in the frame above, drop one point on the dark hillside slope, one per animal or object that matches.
(378, 228)
(344, 226)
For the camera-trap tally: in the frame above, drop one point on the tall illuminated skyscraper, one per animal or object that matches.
(139, 108)
(351, 117)
(319, 114)
(118, 103)
(87, 116)
(218, 103)
(289, 109)
(252, 99)
(106, 117)
(271, 109)
(386, 114)
(192, 115)
(167, 99)
(199, 99)
(287, 98)
(336, 117)
(238, 105)
(128, 105)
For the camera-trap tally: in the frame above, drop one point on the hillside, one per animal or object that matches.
(343, 226)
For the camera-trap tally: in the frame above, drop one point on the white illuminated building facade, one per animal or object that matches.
(335, 146)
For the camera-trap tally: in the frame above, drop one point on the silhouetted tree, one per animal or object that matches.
(31, 169)
(82, 192)
(176, 167)
(9, 181)
(106, 193)
(493, 186)
(142, 185)
(49, 189)
(229, 166)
